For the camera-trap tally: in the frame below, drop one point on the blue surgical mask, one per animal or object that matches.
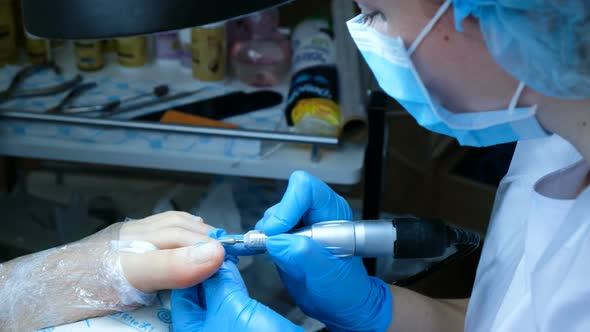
(390, 62)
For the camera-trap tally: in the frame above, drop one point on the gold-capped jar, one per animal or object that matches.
(38, 50)
(132, 51)
(89, 55)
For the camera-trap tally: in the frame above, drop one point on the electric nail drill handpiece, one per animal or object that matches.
(402, 237)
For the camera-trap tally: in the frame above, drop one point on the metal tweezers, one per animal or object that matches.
(15, 89)
(64, 106)
(74, 86)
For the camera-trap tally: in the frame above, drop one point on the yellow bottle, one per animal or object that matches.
(209, 52)
(132, 51)
(8, 50)
(89, 55)
(38, 50)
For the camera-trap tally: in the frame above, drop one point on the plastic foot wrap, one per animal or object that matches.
(65, 284)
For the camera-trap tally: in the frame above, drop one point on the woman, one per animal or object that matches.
(485, 72)
(116, 269)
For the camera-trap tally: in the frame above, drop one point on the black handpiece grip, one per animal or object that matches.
(420, 238)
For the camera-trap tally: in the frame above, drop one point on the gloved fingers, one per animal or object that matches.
(300, 257)
(306, 197)
(267, 214)
(296, 201)
(188, 313)
(266, 319)
(172, 268)
(226, 283)
(216, 233)
(227, 301)
(283, 217)
(226, 292)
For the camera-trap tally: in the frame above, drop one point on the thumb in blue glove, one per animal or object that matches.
(222, 304)
(335, 290)
(306, 198)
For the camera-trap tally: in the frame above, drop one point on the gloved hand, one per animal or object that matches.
(222, 304)
(334, 290)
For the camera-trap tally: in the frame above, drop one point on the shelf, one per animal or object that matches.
(338, 166)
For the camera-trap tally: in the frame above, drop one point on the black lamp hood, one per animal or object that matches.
(101, 19)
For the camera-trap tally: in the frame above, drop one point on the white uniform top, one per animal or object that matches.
(534, 272)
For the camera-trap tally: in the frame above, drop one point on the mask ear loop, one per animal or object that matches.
(445, 6)
(516, 96)
(441, 11)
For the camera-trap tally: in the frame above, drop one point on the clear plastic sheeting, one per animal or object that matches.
(84, 277)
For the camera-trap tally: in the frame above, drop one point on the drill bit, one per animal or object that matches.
(230, 241)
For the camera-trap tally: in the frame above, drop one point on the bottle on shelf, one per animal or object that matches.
(167, 46)
(209, 45)
(261, 53)
(89, 55)
(312, 103)
(132, 51)
(38, 49)
(8, 33)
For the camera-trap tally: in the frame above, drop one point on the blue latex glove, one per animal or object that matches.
(336, 291)
(222, 304)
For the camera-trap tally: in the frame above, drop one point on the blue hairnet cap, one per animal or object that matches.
(543, 43)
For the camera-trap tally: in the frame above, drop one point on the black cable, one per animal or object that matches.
(461, 236)
(466, 243)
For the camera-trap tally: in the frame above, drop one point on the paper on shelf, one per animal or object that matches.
(109, 89)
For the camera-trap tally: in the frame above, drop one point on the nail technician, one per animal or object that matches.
(485, 72)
